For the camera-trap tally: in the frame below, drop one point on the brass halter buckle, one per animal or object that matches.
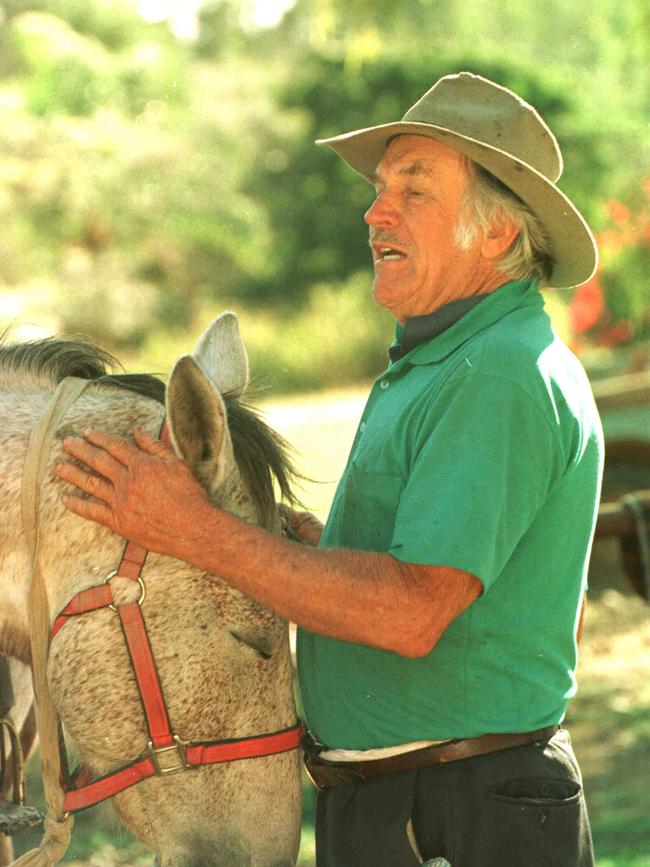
(170, 759)
(140, 600)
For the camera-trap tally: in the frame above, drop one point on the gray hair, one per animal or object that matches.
(485, 199)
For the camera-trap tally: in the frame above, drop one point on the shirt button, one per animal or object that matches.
(384, 383)
(362, 426)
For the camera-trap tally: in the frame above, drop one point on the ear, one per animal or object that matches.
(497, 240)
(198, 425)
(221, 355)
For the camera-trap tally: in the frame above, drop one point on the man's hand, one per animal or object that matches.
(142, 492)
(303, 524)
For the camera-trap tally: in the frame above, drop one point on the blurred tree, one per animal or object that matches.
(65, 71)
(120, 184)
(159, 176)
(220, 32)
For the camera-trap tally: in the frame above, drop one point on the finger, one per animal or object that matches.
(96, 458)
(284, 511)
(151, 445)
(91, 484)
(91, 509)
(118, 448)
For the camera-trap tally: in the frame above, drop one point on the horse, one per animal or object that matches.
(223, 660)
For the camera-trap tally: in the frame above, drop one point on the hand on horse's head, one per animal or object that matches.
(142, 492)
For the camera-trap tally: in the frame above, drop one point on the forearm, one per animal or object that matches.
(146, 495)
(363, 597)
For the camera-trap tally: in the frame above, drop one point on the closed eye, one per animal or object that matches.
(262, 647)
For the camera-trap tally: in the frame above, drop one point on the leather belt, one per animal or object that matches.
(324, 774)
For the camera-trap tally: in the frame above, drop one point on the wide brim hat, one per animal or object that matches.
(501, 132)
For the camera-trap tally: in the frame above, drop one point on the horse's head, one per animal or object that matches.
(223, 660)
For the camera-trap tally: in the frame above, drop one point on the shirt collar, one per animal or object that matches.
(418, 329)
(469, 321)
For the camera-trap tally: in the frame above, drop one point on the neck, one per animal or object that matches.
(484, 287)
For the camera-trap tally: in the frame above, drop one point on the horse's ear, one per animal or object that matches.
(198, 425)
(221, 355)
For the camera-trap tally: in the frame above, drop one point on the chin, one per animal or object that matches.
(384, 297)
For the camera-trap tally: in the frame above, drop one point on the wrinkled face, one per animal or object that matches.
(420, 184)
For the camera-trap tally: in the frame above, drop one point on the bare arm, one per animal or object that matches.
(364, 597)
(147, 495)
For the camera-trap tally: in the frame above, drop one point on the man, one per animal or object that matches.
(439, 616)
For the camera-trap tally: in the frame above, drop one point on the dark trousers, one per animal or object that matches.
(521, 807)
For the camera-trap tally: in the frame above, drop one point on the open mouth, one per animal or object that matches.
(387, 254)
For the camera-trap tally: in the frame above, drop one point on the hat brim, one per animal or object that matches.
(572, 245)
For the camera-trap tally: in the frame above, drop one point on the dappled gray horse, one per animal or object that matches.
(223, 660)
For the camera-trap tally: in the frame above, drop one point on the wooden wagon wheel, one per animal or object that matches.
(624, 513)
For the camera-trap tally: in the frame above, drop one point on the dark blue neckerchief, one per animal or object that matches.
(419, 329)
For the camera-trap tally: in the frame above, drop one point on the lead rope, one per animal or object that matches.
(58, 824)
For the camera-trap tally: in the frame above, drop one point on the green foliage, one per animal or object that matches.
(145, 179)
(220, 34)
(65, 71)
(350, 334)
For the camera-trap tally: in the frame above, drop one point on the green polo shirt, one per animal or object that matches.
(479, 449)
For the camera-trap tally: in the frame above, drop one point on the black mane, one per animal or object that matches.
(53, 359)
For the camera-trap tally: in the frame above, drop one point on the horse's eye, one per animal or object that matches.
(257, 645)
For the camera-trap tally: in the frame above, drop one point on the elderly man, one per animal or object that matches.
(439, 616)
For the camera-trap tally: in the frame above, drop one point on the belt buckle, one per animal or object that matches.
(307, 762)
(325, 774)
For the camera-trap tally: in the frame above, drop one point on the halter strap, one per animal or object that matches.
(166, 752)
(58, 824)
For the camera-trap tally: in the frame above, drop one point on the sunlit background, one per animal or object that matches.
(157, 166)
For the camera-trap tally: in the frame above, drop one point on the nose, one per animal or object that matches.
(382, 212)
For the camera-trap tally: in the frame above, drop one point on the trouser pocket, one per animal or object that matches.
(522, 807)
(536, 822)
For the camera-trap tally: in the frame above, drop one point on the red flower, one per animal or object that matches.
(587, 305)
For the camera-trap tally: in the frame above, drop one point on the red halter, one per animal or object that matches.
(166, 753)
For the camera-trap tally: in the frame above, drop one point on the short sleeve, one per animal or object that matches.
(484, 460)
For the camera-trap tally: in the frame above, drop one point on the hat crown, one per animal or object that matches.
(482, 110)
